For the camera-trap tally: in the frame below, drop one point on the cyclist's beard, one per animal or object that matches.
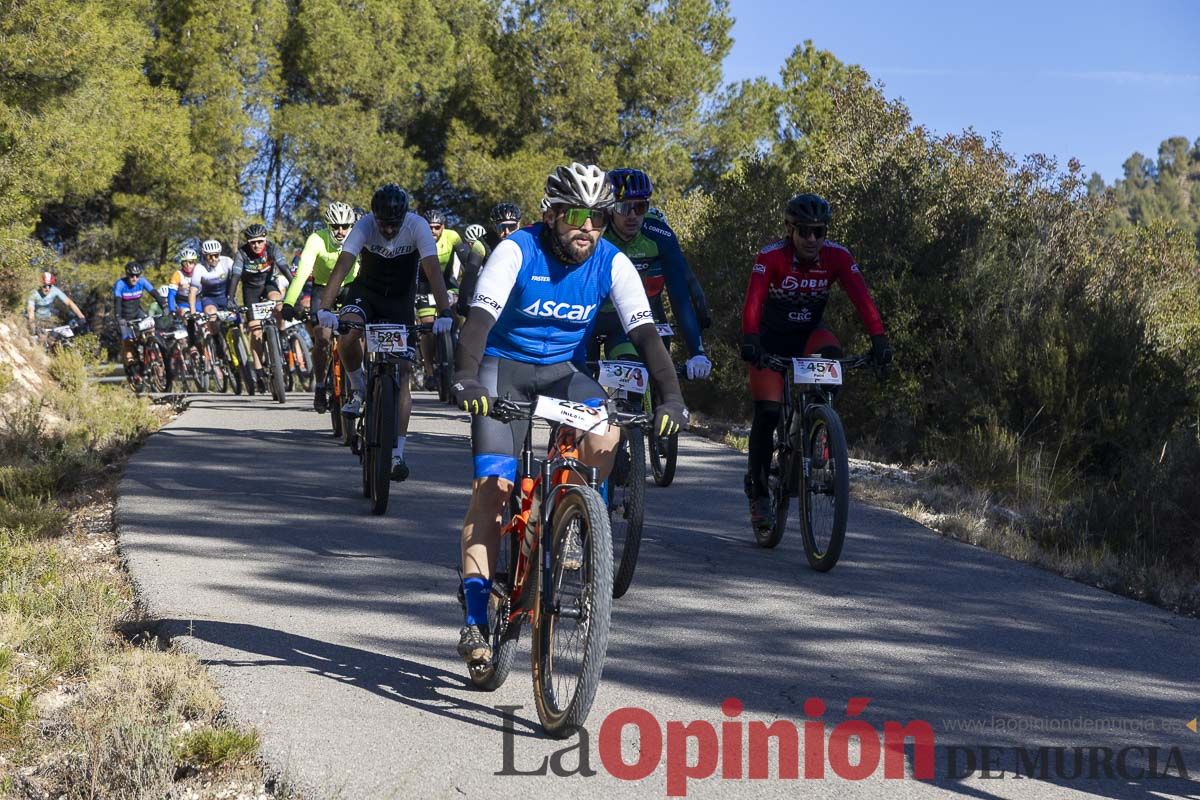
(567, 249)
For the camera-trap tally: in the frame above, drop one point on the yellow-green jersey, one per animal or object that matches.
(317, 261)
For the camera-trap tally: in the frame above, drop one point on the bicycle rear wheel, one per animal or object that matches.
(570, 637)
(824, 489)
(626, 507)
(503, 633)
(381, 437)
(275, 356)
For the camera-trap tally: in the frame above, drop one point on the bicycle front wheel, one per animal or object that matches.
(570, 636)
(380, 440)
(664, 451)
(445, 368)
(275, 356)
(824, 489)
(626, 507)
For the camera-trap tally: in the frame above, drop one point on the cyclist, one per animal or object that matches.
(789, 286)
(210, 287)
(453, 254)
(655, 253)
(41, 308)
(255, 265)
(393, 243)
(533, 305)
(181, 284)
(316, 263)
(127, 307)
(474, 236)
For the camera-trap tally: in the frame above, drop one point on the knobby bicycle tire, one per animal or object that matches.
(275, 357)
(664, 452)
(825, 489)
(504, 635)
(782, 482)
(631, 495)
(155, 367)
(381, 439)
(563, 705)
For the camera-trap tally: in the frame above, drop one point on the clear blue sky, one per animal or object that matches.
(1095, 80)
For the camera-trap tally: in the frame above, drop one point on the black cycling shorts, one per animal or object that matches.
(495, 445)
(255, 288)
(375, 307)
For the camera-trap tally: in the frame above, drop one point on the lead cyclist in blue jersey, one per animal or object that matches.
(534, 302)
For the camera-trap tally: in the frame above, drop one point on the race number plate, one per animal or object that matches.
(625, 375)
(179, 334)
(387, 338)
(263, 310)
(145, 324)
(812, 371)
(577, 415)
(664, 329)
(64, 331)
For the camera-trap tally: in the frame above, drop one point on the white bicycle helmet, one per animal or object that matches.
(579, 185)
(544, 205)
(474, 233)
(210, 247)
(188, 254)
(339, 214)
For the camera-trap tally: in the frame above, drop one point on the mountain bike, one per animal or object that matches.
(386, 352)
(442, 368)
(809, 460)
(273, 365)
(181, 369)
(149, 359)
(554, 569)
(664, 450)
(217, 369)
(625, 489)
(237, 349)
(55, 337)
(297, 349)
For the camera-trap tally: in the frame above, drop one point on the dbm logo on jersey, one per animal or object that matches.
(567, 311)
(791, 283)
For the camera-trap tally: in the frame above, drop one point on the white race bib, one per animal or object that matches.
(387, 338)
(577, 415)
(145, 324)
(263, 310)
(181, 334)
(813, 371)
(629, 376)
(64, 331)
(664, 329)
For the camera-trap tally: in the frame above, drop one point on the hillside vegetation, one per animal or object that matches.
(1047, 327)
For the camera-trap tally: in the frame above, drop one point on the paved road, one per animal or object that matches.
(333, 631)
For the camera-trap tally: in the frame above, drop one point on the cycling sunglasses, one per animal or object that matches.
(634, 208)
(578, 217)
(507, 227)
(811, 231)
(342, 226)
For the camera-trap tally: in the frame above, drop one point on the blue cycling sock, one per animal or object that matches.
(477, 590)
(604, 492)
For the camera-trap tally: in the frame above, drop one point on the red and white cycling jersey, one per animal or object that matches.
(786, 298)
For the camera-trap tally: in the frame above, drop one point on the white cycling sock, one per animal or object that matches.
(398, 450)
(359, 381)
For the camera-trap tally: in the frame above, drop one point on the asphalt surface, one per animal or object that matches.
(333, 632)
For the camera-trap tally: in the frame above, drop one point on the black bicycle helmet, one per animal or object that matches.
(808, 209)
(505, 212)
(133, 269)
(389, 204)
(255, 231)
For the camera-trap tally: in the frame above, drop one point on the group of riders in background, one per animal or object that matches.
(530, 307)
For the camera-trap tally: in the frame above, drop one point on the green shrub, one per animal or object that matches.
(69, 370)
